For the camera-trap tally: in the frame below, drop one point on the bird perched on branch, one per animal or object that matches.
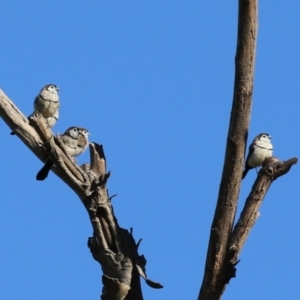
(259, 150)
(47, 103)
(75, 141)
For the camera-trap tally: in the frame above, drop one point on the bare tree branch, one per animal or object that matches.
(215, 268)
(225, 244)
(111, 246)
(271, 170)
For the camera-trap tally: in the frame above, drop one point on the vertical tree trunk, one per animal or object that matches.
(215, 269)
(225, 243)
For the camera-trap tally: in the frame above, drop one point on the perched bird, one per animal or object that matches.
(75, 140)
(259, 150)
(83, 140)
(47, 103)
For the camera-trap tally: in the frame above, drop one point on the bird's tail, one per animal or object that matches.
(245, 173)
(44, 171)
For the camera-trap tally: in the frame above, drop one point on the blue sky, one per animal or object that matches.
(153, 83)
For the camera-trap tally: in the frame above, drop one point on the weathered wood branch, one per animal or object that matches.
(212, 285)
(224, 244)
(215, 272)
(111, 246)
(271, 170)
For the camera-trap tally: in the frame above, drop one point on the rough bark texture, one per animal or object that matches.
(225, 245)
(271, 170)
(111, 246)
(213, 281)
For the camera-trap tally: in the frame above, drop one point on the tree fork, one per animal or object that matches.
(113, 247)
(225, 244)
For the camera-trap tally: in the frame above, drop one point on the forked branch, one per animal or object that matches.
(111, 246)
(225, 243)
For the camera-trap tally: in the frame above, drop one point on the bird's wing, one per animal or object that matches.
(250, 152)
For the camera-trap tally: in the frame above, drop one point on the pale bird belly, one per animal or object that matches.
(50, 109)
(52, 120)
(46, 108)
(258, 157)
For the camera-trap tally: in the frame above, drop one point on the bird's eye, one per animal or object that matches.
(75, 129)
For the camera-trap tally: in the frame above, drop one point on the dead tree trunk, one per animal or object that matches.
(113, 247)
(225, 243)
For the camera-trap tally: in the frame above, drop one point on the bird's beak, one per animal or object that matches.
(57, 88)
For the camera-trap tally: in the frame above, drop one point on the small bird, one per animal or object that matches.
(47, 103)
(83, 141)
(259, 150)
(75, 140)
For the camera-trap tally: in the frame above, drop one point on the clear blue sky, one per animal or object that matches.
(153, 82)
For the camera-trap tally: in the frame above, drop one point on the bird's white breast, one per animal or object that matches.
(259, 154)
(47, 104)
